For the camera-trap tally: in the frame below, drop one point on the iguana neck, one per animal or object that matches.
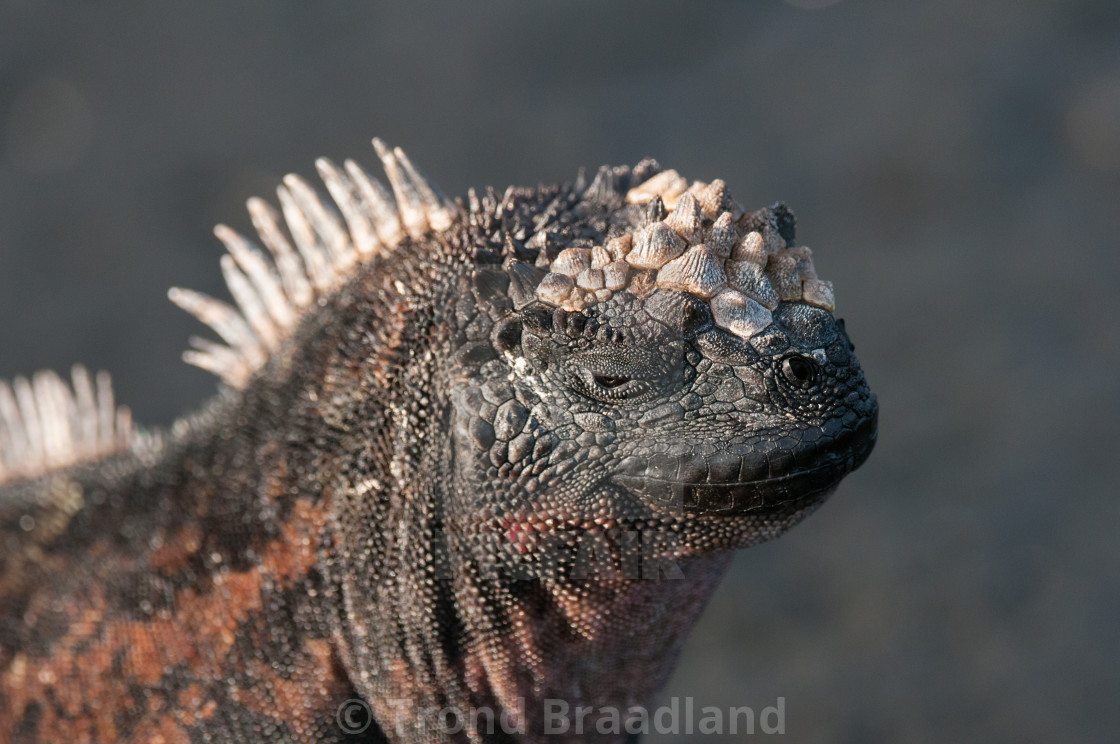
(434, 649)
(600, 643)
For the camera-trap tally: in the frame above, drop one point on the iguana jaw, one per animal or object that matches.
(783, 479)
(688, 499)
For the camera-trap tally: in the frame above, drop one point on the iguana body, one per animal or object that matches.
(469, 456)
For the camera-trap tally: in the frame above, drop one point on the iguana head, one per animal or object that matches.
(664, 361)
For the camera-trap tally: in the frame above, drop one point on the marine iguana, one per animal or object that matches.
(465, 456)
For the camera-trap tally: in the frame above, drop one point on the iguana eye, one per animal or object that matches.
(799, 370)
(610, 381)
(611, 388)
(624, 375)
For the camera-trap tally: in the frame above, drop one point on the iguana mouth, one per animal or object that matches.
(777, 480)
(734, 498)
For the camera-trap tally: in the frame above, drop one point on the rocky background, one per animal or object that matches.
(956, 166)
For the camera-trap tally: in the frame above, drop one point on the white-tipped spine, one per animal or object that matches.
(106, 407)
(335, 239)
(344, 193)
(437, 209)
(292, 274)
(13, 434)
(379, 203)
(220, 316)
(267, 285)
(409, 202)
(361, 219)
(86, 402)
(250, 303)
(46, 423)
(315, 259)
(58, 412)
(217, 359)
(29, 414)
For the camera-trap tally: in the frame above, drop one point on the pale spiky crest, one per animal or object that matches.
(46, 424)
(272, 293)
(702, 248)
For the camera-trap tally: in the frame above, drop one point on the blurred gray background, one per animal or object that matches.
(955, 165)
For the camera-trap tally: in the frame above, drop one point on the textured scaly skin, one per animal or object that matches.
(442, 492)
